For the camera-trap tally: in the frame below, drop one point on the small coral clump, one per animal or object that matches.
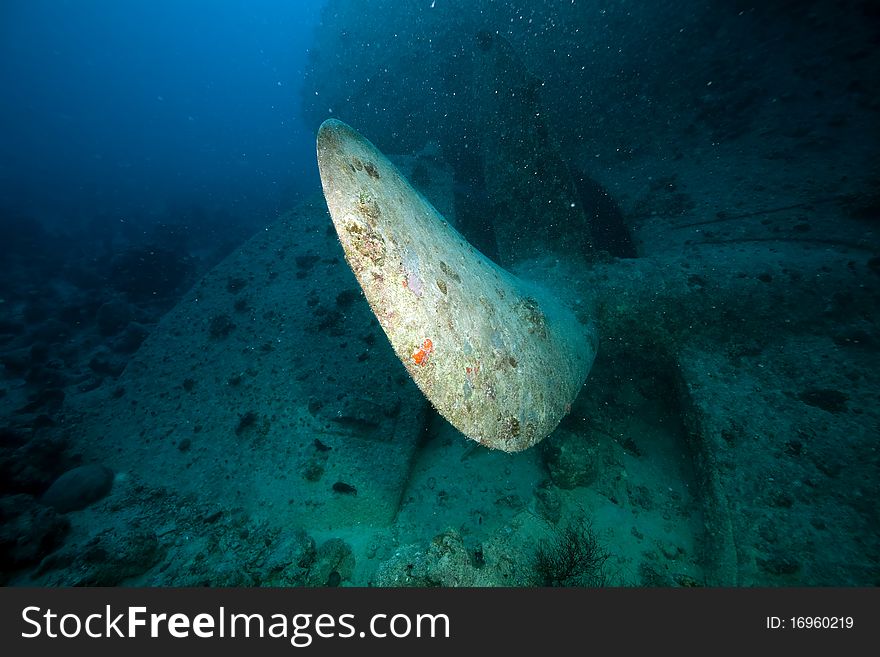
(421, 355)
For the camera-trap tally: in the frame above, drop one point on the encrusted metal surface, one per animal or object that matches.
(498, 357)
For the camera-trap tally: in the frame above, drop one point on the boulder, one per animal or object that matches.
(78, 488)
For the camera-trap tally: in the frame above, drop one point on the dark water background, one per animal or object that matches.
(136, 111)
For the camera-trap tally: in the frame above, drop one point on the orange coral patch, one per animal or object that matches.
(421, 356)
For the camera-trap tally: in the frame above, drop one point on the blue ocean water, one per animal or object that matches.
(194, 389)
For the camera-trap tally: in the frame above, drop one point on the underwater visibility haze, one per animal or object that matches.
(440, 293)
